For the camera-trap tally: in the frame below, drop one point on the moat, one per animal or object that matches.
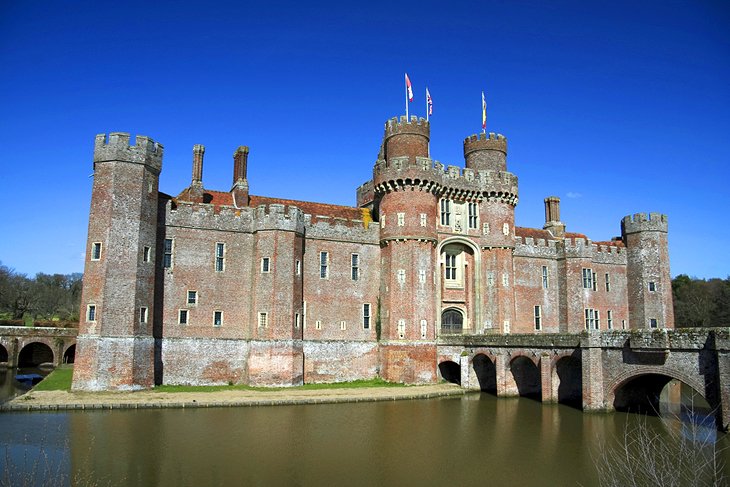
(456, 441)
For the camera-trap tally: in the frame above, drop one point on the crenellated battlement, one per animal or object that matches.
(642, 222)
(365, 194)
(341, 229)
(116, 148)
(489, 141)
(399, 126)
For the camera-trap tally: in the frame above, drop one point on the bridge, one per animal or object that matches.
(23, 346)
(597, 371)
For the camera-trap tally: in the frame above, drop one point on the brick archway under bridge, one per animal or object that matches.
(604, 361)
(15, 338)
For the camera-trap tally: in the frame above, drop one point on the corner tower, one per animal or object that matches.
(115, 342)
(649, 283)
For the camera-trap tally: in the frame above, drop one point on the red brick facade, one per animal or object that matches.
(214, 287)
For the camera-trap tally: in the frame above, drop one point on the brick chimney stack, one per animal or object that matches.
(552, 217)
(240, 183)
(196, 185)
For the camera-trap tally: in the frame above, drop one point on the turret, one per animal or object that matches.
(647, 271)
(482, 152)
(406, 138)
(552, 217)
(240, 182)
(115, 342)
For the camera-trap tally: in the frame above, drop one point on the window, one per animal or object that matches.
(609, 318)
(590, 315)
(423, 219)
(473, 210)
(401, 219)
(96, 251)
(220, 249)
(424, 328)
(217, 318)
(296, 320)
(192, 297)
(146, 254)
(598, 320)
(450, 267)
(588, 278)
(401, 328)
(143, 315)
(652, 286)
(355, 263)
(402, 276)
(182, 317)
(505, 228)
(343, 325)
(167, 254)
(608, 283)
(595, 281)
(505, 279)
(366, 316)
(298, 267)
(485, 228)
(323, 264)
(91, 312)
(265, 265)
(623, 324)
(446, 212)
(318, 325)
(263, 320)
(538, 318)
(653, 323)
(544, 277)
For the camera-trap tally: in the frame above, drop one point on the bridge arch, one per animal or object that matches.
(567, 370)
(69, 355)
(4, 356)
(450, 371)
(485, 369)
(34, 354)
(639, 390)
(525, 372)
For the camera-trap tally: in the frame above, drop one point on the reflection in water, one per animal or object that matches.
(475, 439)
(9, 387)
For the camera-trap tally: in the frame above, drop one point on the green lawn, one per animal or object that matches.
(58, 380)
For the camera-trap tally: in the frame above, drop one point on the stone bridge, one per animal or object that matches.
(31, 346)
(598, 371)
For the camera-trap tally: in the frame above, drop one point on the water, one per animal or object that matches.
(470, 440)
(9, 387)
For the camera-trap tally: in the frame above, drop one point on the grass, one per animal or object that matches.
(355, 384)
(58, 380)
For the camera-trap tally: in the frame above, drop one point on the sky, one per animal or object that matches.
(616, 107)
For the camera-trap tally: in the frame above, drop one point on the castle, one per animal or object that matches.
(216, 287)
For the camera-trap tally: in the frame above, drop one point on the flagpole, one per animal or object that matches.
(427, 103)
(406, 86)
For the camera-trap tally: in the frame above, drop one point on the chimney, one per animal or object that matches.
(552, 217)
(195, 193)
(240, 183)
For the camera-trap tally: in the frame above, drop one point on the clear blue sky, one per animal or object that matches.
(617, 107)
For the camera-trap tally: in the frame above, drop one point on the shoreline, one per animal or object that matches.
(151, 399)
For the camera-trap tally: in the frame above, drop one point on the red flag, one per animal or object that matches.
(409, 89)
(429, 102)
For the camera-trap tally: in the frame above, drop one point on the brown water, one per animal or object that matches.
(471, 440)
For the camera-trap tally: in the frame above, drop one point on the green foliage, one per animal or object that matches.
(700, 302)
(58, 380)
(377, 382)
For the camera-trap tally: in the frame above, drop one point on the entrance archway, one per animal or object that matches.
(69, 355)
(34, 354)
(486, 373)
(570, 377)
(450, 371)
(527, 377)
(452, 322)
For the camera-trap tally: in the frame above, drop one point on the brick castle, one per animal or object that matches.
(216, 287)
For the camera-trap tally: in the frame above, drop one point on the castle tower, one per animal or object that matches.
(486, 155)
(240, 181)
(649, 283)
(115, 341)
(404, 190)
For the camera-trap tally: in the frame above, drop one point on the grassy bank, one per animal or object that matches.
(60, 380)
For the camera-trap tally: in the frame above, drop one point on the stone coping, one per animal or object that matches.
(62, 400)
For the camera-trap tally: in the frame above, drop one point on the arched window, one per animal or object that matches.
(452, 321)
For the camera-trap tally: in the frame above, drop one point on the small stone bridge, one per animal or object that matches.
(598, 371)
(22, 346)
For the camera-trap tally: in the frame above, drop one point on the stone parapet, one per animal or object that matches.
(116, 148)
(642, 222)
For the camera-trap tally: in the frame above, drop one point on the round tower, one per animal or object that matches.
(482, 152)
(406, 138)
(115, 342)
(647, 270)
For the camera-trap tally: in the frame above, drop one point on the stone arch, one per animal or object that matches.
(34, 354)
(485, 370)
(452, 320)
(567, 370)
(69, 355)
(525, 372)
(638, 390)
(4, 356)
(450, 371)
(474, 248)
